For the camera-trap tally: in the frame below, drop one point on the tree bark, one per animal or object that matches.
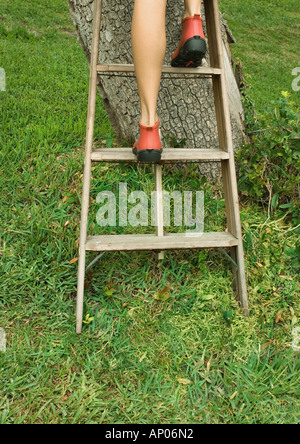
(185, 106)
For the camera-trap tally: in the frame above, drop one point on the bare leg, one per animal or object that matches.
(148, 35)
(192, 7)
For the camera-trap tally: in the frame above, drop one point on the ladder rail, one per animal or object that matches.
(212, 15)
(87, 163)
(222, 114)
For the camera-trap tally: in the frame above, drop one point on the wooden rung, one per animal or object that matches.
(145, 242)
(169, 155)
(202, 71)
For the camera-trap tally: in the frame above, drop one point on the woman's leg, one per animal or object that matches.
(192, 7)
(148, 36)
(192, 46)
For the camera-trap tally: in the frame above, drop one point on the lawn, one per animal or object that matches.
(267, 44)
(163, 342)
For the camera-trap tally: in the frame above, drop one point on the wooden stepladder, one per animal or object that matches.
(224, 153)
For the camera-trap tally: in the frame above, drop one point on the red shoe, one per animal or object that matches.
(192, 46)
(149, 147)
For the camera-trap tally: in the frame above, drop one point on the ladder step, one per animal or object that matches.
(145, 242)
(202, 71)
(169, 155)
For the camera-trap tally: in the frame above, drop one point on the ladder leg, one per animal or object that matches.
(87, 163)
(234, 227)
(239, 277)
(225, 142)
(237, 253)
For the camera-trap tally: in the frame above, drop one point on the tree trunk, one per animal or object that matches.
(185, 106)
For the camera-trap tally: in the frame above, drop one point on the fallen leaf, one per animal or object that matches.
(285, 277)
(163, 294)
(74, 260)
(143, 357)
(207, 297)
(294, 320)
(184, 381)
(67, 223)
(233, 396)
(264, 346)
(110, 284)
(131, 311)
(108, 291)
(165, 290)
(279, 317)
(88, 319)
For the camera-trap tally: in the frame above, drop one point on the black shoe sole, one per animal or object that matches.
(148, 156)
(193, 50)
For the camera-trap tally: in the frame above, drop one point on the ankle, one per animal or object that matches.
(149, 120)
(188, 13)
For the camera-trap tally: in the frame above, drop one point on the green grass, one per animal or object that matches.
(267, 44)
(168, 342)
